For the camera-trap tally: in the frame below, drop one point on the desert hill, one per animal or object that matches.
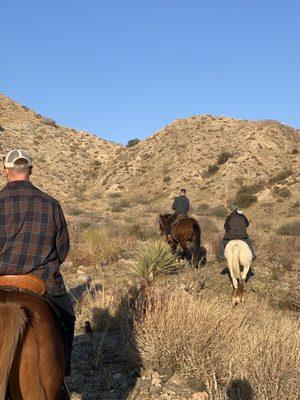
(213, 157)
(112, 196)
(65, 159)
(186, 153)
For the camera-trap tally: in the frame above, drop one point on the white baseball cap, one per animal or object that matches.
(12, 156)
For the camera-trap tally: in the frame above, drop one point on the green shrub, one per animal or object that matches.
(244, 198)
(280, 176)
(218, 211)
(132, 142)
(156, 259)
(223, 157)
(116, 208)
(296, 204)
(212, 169)
(50, 122)
(203, 209)
(290, 229)
(282, 192)
(114, 195)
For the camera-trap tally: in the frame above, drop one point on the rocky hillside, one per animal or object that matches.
(210, 156)
(65, 160)
(213, 157)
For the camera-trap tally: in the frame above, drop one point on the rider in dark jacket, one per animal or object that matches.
(236, 225)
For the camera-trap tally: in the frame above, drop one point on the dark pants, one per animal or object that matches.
(63, 305)
(171, 220)
(224, 243)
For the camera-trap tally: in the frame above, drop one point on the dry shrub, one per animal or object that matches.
(207, 225)
(281, 176)
(290, 229)
(95, 245)
(209, 339)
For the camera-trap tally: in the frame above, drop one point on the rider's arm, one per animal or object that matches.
(226, 225)
(62, 236)
(188, 205)
(174, 204)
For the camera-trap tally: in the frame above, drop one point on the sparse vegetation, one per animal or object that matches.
(133, 142)
(203, 209)
(295, 151)
(245, 196)
(281, 176)
(115, 195)
(281, 192)
(50, 122)
(213, 168)
(1, 129)
(218, 211)
(167, 178)
(290, 229)
(94, 246)
(223, 157)
(227, 346)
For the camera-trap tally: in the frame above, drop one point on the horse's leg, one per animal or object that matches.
(245, 271)
(174, 246)
(184, 246)
(233, 278)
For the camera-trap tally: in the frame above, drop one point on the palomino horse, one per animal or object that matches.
(239, 257)
(32, 356)
(182, 231)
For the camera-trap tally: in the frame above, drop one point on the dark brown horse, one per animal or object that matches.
(32, 356)
(182, 231)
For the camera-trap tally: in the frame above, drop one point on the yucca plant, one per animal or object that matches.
(153, 260)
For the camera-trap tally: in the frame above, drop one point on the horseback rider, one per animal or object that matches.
(181, 206)
(236, 225)
(34, 238)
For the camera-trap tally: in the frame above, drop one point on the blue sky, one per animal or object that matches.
(124, 69)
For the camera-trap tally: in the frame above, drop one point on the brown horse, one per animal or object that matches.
(32, 356)
(182, 231)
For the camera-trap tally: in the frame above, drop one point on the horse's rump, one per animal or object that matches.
(239, 256)
(13, 320)
(185, 229)
(31, 348)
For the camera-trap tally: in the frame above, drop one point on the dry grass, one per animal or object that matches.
(210, 340)
(94, 246)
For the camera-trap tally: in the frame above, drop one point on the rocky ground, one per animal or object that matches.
(109, 376)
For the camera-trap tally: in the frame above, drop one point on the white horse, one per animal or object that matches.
(239, 257)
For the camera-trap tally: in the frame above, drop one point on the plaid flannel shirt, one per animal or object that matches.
(181, 205)
(33, 234)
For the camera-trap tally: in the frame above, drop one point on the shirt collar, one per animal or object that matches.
(18, 184)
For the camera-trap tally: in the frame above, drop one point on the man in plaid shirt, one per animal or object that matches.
(181, 206)
(34, 236)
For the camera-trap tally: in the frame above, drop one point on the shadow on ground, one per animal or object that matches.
(240, 389)
(106, 362)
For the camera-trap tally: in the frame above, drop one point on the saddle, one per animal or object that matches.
(24, 283)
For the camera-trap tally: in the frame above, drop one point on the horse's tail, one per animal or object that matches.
(197, 241)
(12, 324)
(235, 262)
